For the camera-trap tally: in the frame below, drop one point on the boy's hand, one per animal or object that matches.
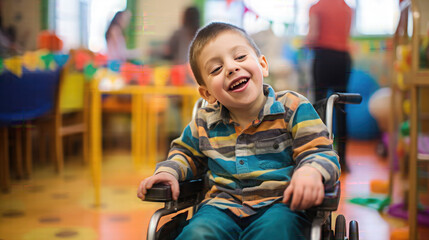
(305, 189)
(162, 177)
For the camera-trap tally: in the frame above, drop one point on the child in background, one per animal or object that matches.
(267, 154)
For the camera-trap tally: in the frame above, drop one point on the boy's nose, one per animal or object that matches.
(232, 70)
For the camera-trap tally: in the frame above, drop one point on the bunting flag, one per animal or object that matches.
(1, 65)
(14, 65)
(48, 61)
(89, 71)
(40, 53)
(31, 60)
(61, 59)
(81, 59)
(100, 60)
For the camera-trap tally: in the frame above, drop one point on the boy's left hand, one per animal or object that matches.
(305, 189)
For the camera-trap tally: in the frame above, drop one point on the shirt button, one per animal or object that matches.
(276, 145)
(241, 162)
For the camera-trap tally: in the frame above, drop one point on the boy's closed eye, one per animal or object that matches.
(241, 57)
(215, 70)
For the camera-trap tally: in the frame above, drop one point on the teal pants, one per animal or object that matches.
(274, 222)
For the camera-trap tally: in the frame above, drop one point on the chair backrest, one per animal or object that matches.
(27, 97)
(199, 104)
(72, 91)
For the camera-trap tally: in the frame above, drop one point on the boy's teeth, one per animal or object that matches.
(238, 83)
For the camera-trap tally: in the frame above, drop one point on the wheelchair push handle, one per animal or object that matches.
(349, 98)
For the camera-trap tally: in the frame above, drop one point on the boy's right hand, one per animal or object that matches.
(162, 177)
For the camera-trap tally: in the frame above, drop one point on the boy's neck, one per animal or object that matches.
(246, 116)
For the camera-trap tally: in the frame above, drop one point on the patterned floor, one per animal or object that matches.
(49, 206)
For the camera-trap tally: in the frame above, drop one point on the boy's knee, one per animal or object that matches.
(210, 223)
(195, 231)
(206, 230)
(287, 223)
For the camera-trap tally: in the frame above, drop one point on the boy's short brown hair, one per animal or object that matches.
(205, 35)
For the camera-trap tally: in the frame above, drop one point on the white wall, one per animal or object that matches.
(160, 18)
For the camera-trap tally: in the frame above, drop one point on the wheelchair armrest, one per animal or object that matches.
(331, 199)
(162, 193)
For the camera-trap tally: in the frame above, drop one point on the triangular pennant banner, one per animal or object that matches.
(14, 65)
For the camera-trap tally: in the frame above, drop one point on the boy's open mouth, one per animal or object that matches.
(238, 84)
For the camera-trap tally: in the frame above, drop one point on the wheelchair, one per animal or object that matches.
(192, 192)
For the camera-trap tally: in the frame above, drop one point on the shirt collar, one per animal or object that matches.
(220, 113)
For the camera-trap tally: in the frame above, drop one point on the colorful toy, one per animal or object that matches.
(379, 107)
(144, 77)
(403, 58)
(379, 186)
(400, 234)
(400, 210)
(178, 75)
(161, 75)
(376, 202)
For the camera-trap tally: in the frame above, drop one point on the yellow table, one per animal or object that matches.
(139, 134)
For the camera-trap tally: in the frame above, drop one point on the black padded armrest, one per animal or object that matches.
(162, 193)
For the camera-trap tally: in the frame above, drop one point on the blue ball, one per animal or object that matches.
(360, 124)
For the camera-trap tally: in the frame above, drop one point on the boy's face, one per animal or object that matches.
(232, 72)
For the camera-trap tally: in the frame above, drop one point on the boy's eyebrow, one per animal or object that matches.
(213, 59)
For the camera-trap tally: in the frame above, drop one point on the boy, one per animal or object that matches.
(259, 148)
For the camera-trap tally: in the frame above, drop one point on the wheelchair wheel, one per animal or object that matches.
(328, 235)
(340, 228)
(353, 230)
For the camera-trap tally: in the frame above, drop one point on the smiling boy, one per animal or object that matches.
(267, 154)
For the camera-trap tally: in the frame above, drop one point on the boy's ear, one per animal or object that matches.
(264, 64)
(204, 92)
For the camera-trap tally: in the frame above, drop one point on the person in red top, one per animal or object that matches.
(329, 31)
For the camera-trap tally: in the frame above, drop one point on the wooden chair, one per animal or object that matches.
(70, 115)
(4, 159)
(23, 99)
(70, 120)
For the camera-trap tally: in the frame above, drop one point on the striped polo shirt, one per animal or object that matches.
(250, 169)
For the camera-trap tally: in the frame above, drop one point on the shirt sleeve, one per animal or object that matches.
(185, 161)
(312, 145)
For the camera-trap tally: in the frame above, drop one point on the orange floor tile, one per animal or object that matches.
(49, 206)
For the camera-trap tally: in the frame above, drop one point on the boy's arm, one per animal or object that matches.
(161, 177)
(185, 161)
(305, 189)
(312, 146)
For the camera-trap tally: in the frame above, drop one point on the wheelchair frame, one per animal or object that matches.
(191, 192)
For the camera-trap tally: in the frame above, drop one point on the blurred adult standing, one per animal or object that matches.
(329, 32)
(115, 38)
(178, 44)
